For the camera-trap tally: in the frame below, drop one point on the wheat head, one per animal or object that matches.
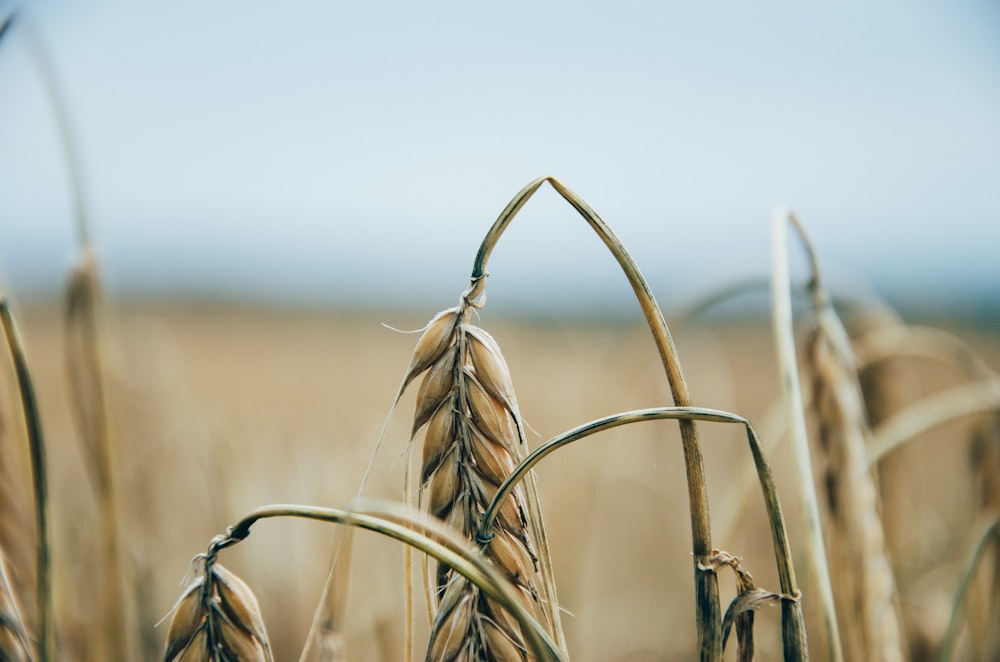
(473, 438)
(217, 619)
(861, 570)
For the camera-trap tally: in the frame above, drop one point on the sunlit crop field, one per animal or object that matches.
(218, 410)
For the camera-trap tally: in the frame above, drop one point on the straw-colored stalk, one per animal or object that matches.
(866, 598)
(784, 339)
(793, 629)
(708, 618)
(473, 439)
(45, 627)
(191, 624)
(985, 624)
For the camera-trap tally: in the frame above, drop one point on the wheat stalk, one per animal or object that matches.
(420, 532)
(866, 599)
(784, 337)
(708, 616)
(36, 446)
(793, 627)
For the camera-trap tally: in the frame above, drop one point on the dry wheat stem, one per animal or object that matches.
(793, 628)
(443, 544)
(864, 571)
(991, 534)
(36, 442)
(708, 616)
(919, 342)
(784, 337)
(934, 410)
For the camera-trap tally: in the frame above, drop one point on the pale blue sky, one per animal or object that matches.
(352, 150)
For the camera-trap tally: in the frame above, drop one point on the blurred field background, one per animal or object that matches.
(220, 409)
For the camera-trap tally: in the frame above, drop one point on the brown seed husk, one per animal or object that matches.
(432, 344)
(472, 442)
(221, 616)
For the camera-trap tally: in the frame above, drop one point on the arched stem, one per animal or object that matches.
(421, 533)
(708, 614)
(794, 629)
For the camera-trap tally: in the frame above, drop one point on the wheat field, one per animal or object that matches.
(217, 410)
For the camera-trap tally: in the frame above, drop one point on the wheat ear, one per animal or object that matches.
(472, 440)
(867, 602)
(217, 619)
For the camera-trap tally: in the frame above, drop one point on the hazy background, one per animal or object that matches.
(344, 153)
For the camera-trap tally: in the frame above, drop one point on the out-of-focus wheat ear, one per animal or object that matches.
(217, 618)
(88, 399)
(860, 564)
(867, 601)
(36, 446)
(15, 645)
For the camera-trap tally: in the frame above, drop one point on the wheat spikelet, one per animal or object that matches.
(217, 619)
(860, 566)
(472, 439)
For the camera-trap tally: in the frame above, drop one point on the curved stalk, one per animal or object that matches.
(793, 625)
(990, 534)
(932, 411)
(440, 543)
(36, 442)
(708, 614)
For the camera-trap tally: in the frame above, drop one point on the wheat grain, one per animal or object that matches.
(217, 619)
(472, 438)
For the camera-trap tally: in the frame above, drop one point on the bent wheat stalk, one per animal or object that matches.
(793, 627)
(422, 533)
(708, 616)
